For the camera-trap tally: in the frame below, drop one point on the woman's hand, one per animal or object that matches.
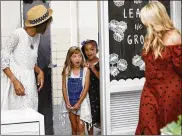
(40, 79)
(19, 89)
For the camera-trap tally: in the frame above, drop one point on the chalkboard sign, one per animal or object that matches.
(126, 38)
(166, 3)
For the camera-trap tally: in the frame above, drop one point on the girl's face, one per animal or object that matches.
(76, 59)
(90, 51)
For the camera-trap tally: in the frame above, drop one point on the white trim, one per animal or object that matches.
(104, 67)
(21, 13)
(127, 85)
(175, 7)
(74, 22)
(127, 131)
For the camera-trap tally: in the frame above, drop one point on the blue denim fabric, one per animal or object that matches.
(75, 88)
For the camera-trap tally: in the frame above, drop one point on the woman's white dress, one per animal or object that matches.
(18, 55)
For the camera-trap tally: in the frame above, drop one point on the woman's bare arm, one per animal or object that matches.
(19, 89)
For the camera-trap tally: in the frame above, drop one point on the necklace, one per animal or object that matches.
(31, 46)
(31, 43)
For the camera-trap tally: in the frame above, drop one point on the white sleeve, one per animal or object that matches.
(7, 49)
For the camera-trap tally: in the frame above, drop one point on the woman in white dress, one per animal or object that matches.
(18, 62)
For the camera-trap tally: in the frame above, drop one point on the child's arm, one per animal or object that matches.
(84, 92)
(64, 90)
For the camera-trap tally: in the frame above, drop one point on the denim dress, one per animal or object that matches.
(75, 88)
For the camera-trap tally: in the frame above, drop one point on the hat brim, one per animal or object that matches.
(27, 23)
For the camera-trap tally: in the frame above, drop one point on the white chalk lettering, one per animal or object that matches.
(135, 39)
(131, 13)
(142, 39)
(138, 13)
(138, 26)
(129, 39)
(124, 13)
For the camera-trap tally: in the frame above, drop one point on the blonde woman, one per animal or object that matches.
(161, 96)
(18, 62)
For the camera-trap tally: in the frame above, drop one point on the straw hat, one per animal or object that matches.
(37, 15)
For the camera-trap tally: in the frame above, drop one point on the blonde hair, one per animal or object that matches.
(154, 16)
(67, 64)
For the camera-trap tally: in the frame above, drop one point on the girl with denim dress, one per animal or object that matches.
(90, 50)
(75, 85)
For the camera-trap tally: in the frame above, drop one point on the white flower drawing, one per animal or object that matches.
(142, 66)
(121, 27)
(135, 60)
(122, 65)
(118, 28)
(116, 64)
(137, 1)
(118, 36)
(119, 3)
(113, 58)
(113, 25)
(114, 71)
(138, 62)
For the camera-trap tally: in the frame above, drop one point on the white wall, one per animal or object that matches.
(73, 22)
(87, 20)
(60, 42)
(10, 17)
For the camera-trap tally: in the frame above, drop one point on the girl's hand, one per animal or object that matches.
(94, 70)
(19, 89)
(68, 106)
(76, 106)
(92, 67)
(85, 64)
(40, 79)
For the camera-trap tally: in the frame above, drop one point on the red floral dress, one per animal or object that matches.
(161, 99)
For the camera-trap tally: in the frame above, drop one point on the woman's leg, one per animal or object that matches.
(73, 120)
(81, 126)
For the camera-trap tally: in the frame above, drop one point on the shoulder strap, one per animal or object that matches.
(81, 72)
